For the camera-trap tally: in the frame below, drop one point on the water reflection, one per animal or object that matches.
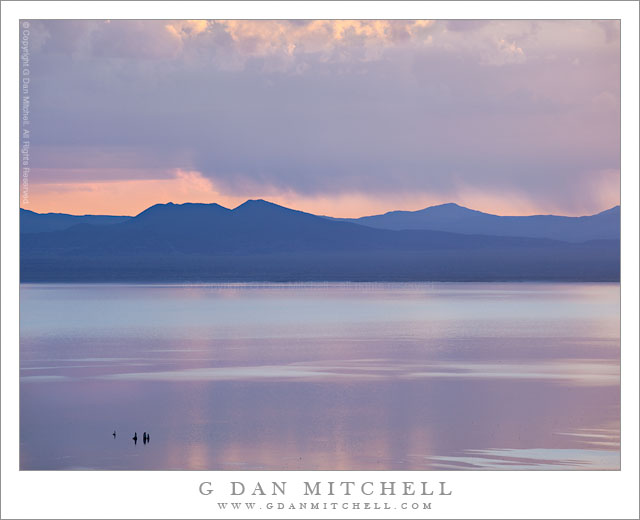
(341, 376)
(528, 459)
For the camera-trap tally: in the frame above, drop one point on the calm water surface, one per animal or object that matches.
(320, 376)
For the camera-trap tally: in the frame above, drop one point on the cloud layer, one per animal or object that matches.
(392, 114)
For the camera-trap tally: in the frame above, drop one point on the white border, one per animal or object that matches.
(174, 494)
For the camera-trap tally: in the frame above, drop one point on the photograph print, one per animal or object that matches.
(319, 244)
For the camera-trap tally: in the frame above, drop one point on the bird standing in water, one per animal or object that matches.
(135, 438)
(114, 434)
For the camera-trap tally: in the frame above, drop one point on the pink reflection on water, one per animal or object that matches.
(487, 376)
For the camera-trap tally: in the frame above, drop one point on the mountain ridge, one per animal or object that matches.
(449, 217)
(262, 241)
(454, 218)
(32, 222)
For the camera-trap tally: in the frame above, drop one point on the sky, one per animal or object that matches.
(341, 118)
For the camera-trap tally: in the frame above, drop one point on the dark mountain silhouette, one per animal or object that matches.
(31, 222)
(259, 240)
(458, 219)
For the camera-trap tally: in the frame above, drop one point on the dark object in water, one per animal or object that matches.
(135, 438)
(114, 434)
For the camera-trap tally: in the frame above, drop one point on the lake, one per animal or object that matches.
(336, 376)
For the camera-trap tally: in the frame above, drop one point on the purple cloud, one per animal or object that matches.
(530, 108)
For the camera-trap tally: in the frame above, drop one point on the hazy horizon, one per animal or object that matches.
(382, 212)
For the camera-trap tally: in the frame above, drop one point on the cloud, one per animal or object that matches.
(226, 40)
(342, 110)
(120, 196)
(465, 25)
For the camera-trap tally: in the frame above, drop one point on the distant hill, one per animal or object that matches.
(31, 222)
(259, 240)
(257, 226)
(458, 219)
